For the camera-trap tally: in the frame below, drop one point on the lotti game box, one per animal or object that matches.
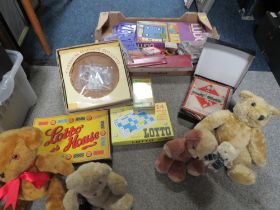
(129, 126)
(77, 137)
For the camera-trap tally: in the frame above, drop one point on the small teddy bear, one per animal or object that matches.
(28, 176)
(222, 157)
(186, 155)
(98, 185)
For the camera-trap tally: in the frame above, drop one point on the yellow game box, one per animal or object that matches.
(77, 137)
(129, 126)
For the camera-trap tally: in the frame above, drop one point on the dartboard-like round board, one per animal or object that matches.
(94, 75)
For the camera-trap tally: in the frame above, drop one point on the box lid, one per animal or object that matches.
(224, 63)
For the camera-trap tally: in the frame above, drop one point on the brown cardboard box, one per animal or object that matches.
(108, 19)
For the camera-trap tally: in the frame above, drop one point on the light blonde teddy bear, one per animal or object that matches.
(242, 129)
(95, 183)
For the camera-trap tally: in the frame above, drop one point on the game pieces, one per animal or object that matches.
(94, 76)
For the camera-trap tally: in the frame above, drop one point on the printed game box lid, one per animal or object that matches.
(129, 126)
(77, 137)
(204, 97)
(224, 63)
(151, 31)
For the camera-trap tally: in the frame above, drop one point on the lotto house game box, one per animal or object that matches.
(77, 137)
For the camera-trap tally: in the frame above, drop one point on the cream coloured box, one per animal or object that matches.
(94, 76)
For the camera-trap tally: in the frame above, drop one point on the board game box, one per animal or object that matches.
(219, 71)
(175, 65)
(129, 126)
(94, 76)
(180, 31)
(151, 31)
(77, 137)
(205, 96)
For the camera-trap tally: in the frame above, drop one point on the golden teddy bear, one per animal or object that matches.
(28, 175)
(96, 186)
(242, 129)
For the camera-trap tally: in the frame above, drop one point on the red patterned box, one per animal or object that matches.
(205, 97)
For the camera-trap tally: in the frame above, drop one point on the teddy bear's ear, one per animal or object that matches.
(274, 111)
(32, 137)
(245, 94)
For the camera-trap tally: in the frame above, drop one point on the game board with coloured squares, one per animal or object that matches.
(129, 126)
(133, 122)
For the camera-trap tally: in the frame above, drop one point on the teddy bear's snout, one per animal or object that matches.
(261, 117)
(2, 175)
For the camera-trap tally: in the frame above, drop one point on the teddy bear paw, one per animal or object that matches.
(242, 175)
(124, 203)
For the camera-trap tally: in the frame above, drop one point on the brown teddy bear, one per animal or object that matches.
(186, 154)
(26, 175)
(98, 185)
(242, 128)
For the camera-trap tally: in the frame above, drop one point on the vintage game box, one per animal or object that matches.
(152, 31)
(175, 65)
(94, 76)
(132, 127)
(205, 96)
(161, 32)
(220, 69)
(77, 137)
(180, 31)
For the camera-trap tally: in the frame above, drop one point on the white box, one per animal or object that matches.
(16, 95)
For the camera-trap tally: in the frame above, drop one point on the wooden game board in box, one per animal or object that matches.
(77, 137)
(131, 127)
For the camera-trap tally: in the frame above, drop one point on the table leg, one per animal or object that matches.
(36, 25)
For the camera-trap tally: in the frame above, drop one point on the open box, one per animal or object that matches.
(107, 20)
(94, 76)
(219, 72)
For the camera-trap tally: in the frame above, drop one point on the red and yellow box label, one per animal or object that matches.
(77, 137)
